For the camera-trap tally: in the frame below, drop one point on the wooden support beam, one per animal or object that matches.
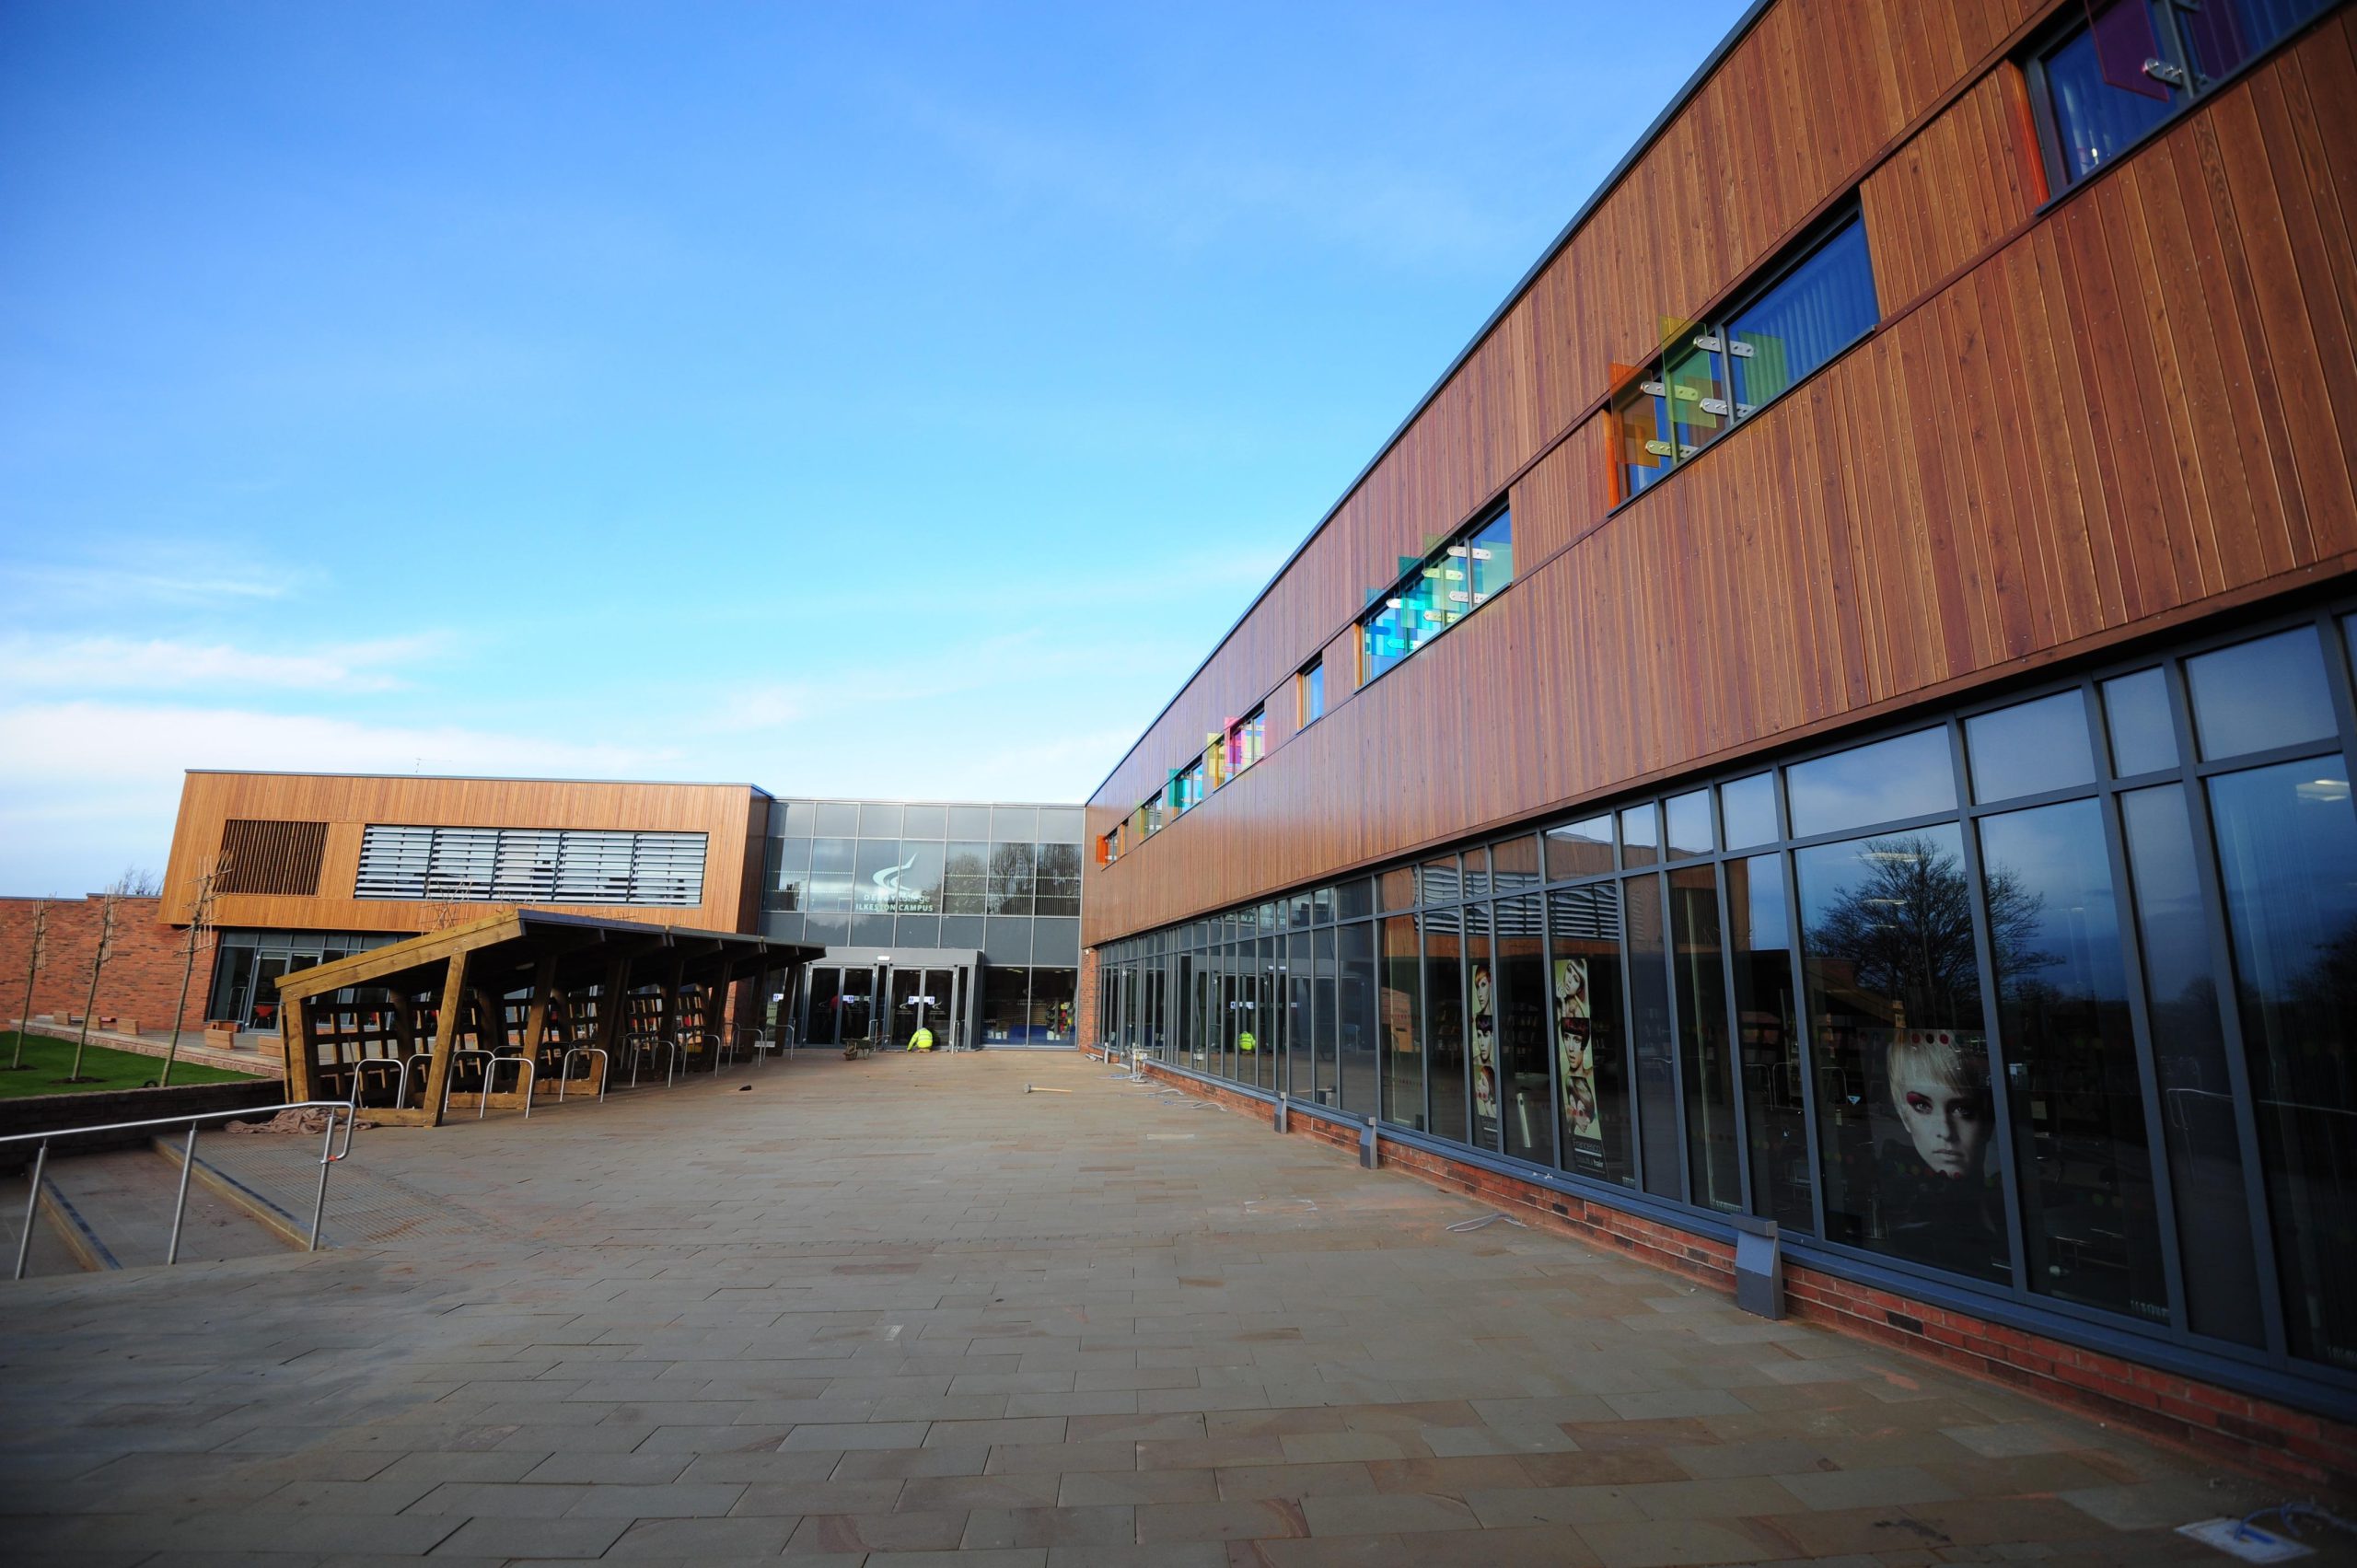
(446, 1035)
(295, 1039)
(536, 1020)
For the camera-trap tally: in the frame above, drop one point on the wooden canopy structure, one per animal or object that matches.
(387, 1025)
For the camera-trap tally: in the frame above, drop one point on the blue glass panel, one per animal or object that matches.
(1813, 313)
(1887, 782)
(2269, 691)
(1747, 808)
(2225, 34)
(2030, 748)
(2143, 737)
(2287, 856)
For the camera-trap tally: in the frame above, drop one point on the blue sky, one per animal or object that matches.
(842, 399)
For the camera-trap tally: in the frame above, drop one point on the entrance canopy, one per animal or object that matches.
(551, 988)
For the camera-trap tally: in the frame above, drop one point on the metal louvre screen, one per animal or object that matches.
(530, 866)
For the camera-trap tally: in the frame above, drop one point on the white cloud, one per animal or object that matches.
(31, 664)
(91, 785)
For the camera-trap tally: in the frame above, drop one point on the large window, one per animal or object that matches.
(2053, 997)
(530, 866)
(1720, 372)
(1309, 694)
(1445, 586)
(2131, 65)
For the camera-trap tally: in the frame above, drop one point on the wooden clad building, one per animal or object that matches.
(1922, 478)
(287, 850)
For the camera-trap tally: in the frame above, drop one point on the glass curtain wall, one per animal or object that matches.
(2055, 996)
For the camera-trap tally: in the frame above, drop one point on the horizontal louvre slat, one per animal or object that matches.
(530, 866)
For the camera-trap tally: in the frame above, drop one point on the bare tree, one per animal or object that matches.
(99, 958)
(136, 882)
(200, 924)
(32, 971)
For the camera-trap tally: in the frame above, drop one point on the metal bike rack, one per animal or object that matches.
(492, 1060)
(359, 1071)
(565, 1070)
(523, 1084)
(710, 1042)
(640, 1044)
(329, 1156)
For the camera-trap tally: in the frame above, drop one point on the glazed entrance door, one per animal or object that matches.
(858, 1008)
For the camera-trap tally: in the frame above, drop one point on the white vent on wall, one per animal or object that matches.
(530, 866)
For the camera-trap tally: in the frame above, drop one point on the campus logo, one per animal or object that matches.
(890, 895)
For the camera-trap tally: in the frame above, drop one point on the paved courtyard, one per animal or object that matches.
(886, 1311)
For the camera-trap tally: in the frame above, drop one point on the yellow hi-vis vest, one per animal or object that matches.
(1245, 1041)
(921, 1041)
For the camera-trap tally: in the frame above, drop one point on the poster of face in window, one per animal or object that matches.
(1575, 1049)
(1485, 1046)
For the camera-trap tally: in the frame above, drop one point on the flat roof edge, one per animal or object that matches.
(1619, 171)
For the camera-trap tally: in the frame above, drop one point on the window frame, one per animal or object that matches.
(1460, 538)
(2195, 88)
(1714, 326)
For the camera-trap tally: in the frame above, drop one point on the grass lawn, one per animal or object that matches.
(48, 1059)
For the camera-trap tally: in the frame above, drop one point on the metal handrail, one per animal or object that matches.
(329, 1155)
(565, 1070)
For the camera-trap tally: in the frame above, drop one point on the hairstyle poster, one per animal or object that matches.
(1485, 1045)
(1575, 1049)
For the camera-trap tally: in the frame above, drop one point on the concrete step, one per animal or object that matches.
(114, 1211)
(233, 1175)
(50, 1254)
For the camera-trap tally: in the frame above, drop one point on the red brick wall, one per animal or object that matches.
(2255, 1434)
(142, 978)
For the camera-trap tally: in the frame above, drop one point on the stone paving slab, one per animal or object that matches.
(898, 1312)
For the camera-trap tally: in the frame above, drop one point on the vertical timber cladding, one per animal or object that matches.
(340, 806)
(1985, 483)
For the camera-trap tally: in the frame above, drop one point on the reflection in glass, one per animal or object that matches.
(1901, 1051)
(2190, 1059)
(1438, 882)
(2072, 1081)
(1524, 1106)
(1806, 317)
(1689, 824)
(822, 1018)
(1909, 775)
(2093, 119)
(1361, 1019)
(1403, 1070)
(2269, 691)
(1445, 1023)
(1513, 864)
(1396, 889)
(879, 819)
(1591, 1061)
(1768, 1042)
(1013, 878)
(965, 887)
(1579, 849)
(1649, 1031)
(1294, 978)
(1703, 1050)
(1748, 809)
(1325, 1081)
(2287, 852)
(2225, 34)
(2136, 711)
(1640, 836)
(2030, 748)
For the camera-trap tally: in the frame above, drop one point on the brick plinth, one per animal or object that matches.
(2255, 1434)
(142, 978)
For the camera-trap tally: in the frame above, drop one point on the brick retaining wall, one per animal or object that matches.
(41, 1113)
(2254, 1434)
(142, 978)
